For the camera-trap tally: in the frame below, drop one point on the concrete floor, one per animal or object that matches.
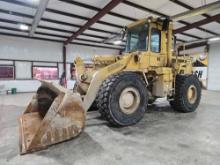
(162, 137)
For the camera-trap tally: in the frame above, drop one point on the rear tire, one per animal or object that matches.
(122, 99)
(187, 93)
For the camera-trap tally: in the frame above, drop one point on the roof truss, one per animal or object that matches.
(87, 26)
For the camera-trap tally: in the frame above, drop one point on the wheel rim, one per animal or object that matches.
(192, 94)
(129, 100)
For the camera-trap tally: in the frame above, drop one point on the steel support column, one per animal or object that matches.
(64, 59)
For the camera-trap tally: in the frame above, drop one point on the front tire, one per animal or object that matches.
(122, 99)
(187, 93)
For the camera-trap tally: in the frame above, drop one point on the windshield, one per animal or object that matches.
(137, 38)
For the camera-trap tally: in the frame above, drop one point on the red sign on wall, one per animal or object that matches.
(6, 72)
(45, 73)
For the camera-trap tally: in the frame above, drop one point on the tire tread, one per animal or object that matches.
(105, 92)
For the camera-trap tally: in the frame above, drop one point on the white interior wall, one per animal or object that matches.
(214, 69)
(37, 50)
(86, 52)
(26, 49)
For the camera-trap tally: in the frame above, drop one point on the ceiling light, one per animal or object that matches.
(117, 42)
(214, 39)
(23, 27)
(33, 1)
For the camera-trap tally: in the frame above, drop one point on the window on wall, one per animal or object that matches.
(6, 72)
(45, 73)
(155, 40)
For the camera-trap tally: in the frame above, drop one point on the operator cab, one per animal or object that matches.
(150, 38)
(138, 36)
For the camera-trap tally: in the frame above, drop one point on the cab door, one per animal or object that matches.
(157, 57)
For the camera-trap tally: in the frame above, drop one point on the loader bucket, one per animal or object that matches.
(54, 114)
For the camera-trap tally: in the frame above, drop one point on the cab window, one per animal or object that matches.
(137, 38)
(155, 40)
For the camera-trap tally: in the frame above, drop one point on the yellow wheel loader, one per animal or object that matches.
(120, 86)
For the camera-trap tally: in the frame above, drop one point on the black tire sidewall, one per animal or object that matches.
(120, 117)
(191, 80)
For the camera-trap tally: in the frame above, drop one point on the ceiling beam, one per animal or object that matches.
(129, 3)
(16, 13)
(58, 30)
(110, 13)
(59, 41)
(94, 19)
(26, 36)
(197, 24)
(21, 3)
(13, 22)
(52, 21)
(180, 3)
(193, 45)
(85, 18)
(191, 35)
(163, 15)
(90, 7)
(199, 28)
(180, 40)
(64, 37)
(197, 11)
(81, 17)
(50, 28)
(77, 26)
(39, 13)
(54, 11)
(95, 8)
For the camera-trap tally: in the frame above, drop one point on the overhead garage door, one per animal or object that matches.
(214, 67)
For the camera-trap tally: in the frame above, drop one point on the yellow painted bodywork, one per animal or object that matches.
(66, 115)
(162, 67)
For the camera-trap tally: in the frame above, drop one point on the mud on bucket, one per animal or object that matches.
(54, 114)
